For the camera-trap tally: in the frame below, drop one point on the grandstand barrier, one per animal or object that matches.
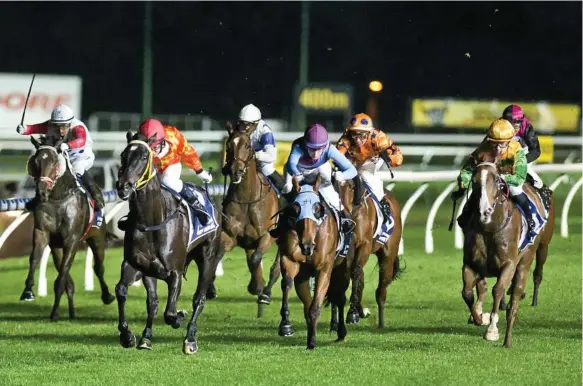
(425, 178)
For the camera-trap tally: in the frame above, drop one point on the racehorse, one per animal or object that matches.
(159, 243)
(492, 248)
(250, 205)
(308, 248)
(62, 220)
(366, 217)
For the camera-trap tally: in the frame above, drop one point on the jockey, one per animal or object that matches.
(309, 158)
(76, 142)
(524, 133)
(171, 150)
(363, 145)
(512, 165)
(262, 142)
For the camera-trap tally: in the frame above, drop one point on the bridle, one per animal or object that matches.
(55, 174)
(149, 172)
(499, 198)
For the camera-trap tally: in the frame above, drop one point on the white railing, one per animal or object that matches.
(400, 176)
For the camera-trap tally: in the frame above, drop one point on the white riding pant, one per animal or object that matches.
(367, 172)
(326, 188)
(266, 167)
(515, 190)
(171, 177)
(81, 165)
(538, 182)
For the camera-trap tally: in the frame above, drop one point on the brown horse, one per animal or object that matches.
(491, 249)
(249, 207)
(62, 221)
(366, 219)
(308, 248)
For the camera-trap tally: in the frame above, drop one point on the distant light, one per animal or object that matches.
(375, 86)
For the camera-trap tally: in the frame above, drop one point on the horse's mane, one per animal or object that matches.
(139, 137)
(50, 140)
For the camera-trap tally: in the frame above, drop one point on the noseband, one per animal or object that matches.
(56, 172)
(149, 172)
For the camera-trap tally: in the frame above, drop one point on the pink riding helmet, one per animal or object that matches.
(316, 137)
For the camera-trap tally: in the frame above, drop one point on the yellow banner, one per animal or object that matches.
(479, 114)
(546, 149)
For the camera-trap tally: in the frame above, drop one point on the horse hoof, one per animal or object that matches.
(27, 296)
(264, 299)
(54, 317)
(107, 299)
(352, 318)
(333, 327)
(127, 341)
(145, 344)
(365, 313)
(286, 330)
(491, 336)
(180, 316)
(211, 295)
(503, 306)
(189, 348)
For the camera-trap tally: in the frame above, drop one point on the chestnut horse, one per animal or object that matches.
(308, 248)
(249, 207)
(491, 249)
(366, 219)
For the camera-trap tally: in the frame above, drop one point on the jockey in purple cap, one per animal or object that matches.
(309, 158)
(524, 133)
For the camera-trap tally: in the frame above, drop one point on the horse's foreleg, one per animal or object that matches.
(289, 270)
(388, 263)
(254, 258)
(322, 284)
(519, 284)
(40, 242)
(150, 284)
(97, 245)
(469, 279)
(302, 287)
(63, 277)
(506, 274)
(207, 265)
(171, 316)
(357, 276)
(70, 285)
(339, 282)
(128, 275)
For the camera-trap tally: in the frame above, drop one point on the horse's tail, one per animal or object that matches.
(398, 270)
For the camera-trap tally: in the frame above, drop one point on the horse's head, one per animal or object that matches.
(137, 167)
(46, 165)
(309, 214)
(239, 151)
(489, 184)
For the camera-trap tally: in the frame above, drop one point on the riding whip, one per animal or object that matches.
(28, 96)
(452, 215)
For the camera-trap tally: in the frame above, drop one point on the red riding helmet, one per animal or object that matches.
(151, 127)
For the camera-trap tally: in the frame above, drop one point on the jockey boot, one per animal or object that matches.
(522, 201)
(277, 180)
(346, 221)
(189, 196)
(466, 215)
(94, 190)
(385, 209)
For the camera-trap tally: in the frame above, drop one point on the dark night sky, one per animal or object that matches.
(213, 57)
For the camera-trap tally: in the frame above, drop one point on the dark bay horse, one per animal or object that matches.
(306, 249)
(158, 246)
(249, 206)
(491, 249)
(366, 219)
(62, 220)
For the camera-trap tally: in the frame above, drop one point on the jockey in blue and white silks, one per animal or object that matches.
(309, 158)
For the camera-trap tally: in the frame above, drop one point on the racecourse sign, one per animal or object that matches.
(329, 98)
(47, 92)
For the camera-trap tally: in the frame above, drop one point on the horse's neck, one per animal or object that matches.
(247, 189)
(64, 186)
(149, 205)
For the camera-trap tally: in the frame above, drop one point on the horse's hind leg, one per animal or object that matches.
(517, 291)
(388, 271)
(355, 310)
(289, 270)
(40, 242)
(541, 259)
(128, 275)
(274, 274)
(97, 245)
(150, 284)
(207, 265)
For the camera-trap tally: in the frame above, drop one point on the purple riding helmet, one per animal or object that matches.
(515, 115)
(316, 137)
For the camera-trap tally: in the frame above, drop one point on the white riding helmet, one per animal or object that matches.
(250, 113)
(62, 114)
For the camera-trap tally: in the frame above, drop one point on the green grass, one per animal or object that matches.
(426, 341)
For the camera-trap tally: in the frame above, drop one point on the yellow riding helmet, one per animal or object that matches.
(500, 130)
(360, 123)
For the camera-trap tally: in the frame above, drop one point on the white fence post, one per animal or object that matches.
(406, 208)
(566, 205)
(459, 236)
(432, 214)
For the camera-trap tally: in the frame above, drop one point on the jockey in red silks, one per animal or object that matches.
(171, 150)
(77, 143)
